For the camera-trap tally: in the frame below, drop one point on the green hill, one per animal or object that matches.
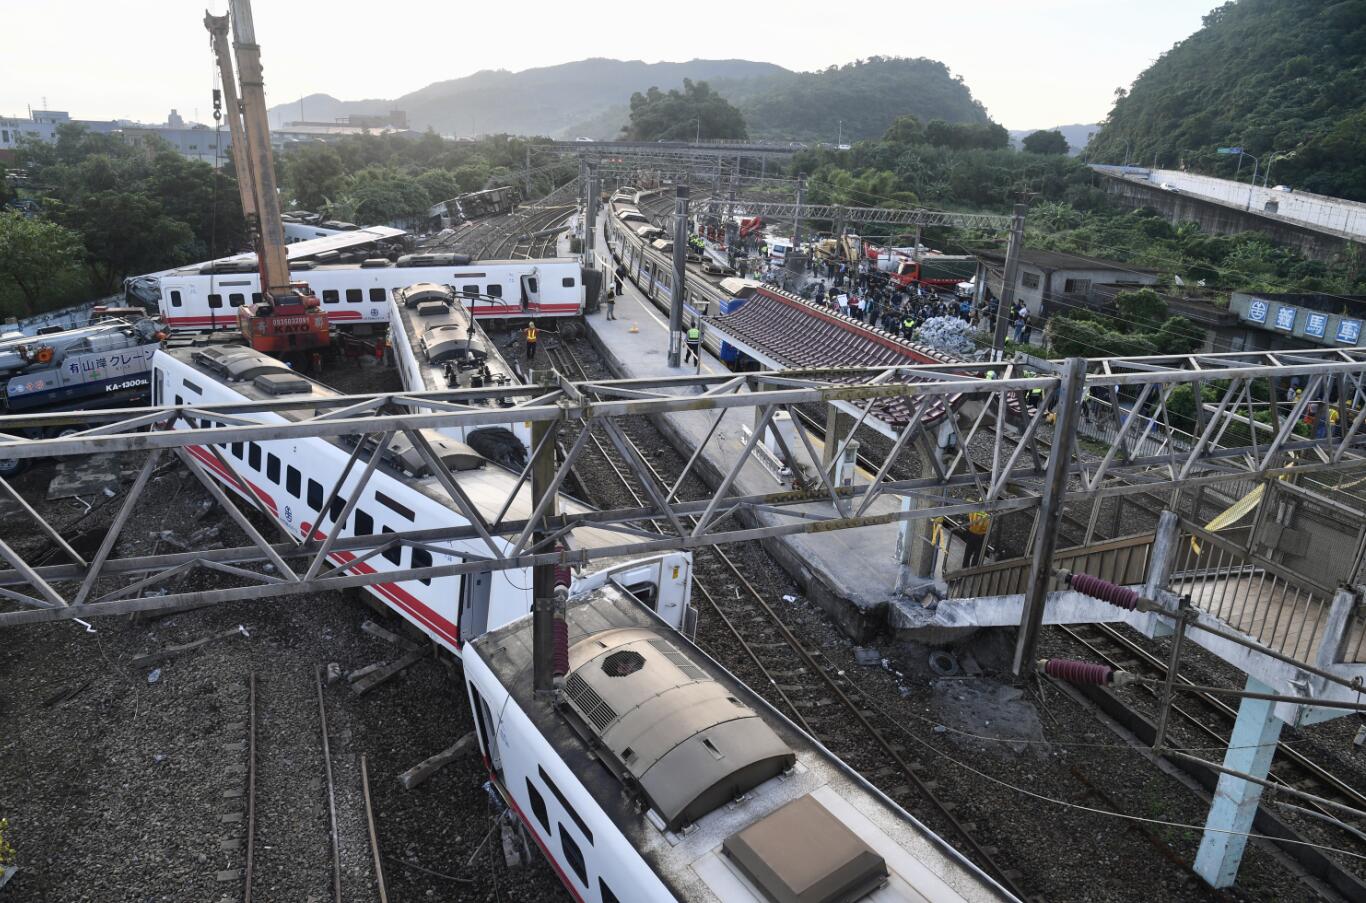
(1277, 78)
(589, 98)
(866, 96)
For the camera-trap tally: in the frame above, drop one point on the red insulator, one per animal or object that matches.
(1075, 672)
(560, 659)
(1104, 590)
(563, 576)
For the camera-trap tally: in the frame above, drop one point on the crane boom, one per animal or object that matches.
(274, 262)
(284, 318)
(241, 160)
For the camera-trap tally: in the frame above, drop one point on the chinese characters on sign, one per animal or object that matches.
(1349, 331)
(1256, 310)
(1316, 325)
(1285, 317)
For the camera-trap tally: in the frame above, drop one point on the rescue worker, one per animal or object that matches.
(907, 326)
(979, 522)
(694, 343)
(532, 335)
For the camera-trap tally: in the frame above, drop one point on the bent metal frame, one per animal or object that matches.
(1037, 475)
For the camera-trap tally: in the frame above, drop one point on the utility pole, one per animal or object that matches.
(590, 218)
(1050, 512)
(793, 262)
(732, 228)
(680, 276)
(543, 576)
(527, 196)
(1012, 270)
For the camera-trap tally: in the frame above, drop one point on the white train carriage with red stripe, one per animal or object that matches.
(658, 776)
(293, 479)
(206, 297)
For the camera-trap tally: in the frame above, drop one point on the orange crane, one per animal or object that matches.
(287, 318)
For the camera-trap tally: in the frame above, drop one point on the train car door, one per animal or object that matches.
(531, 293)
(474, 605)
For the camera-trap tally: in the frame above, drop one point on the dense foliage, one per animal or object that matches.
(696, 112)
(1138, 324)
(1279, 79)
(108, 209)
(1045, 142)
(866, 96)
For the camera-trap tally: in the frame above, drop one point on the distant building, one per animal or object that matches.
(1050, 281)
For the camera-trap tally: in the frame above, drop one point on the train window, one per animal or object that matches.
(253, 456)
(606, 892)
(179, 401)
(237, 299)
(330, 296)
(175, 299)
(315, 495)
(470, 290)
(365, 524)
(236, 447)
(567, 282)
(255, 297)
(393, 554)
(334, 510)
(531, 284)
(293, 479)
(401, 510)
(574, 856)
(583, 826)
(192, 387)
(422, 559)
(272, 468)
(215, 301)
(538, 805)
(354, 296)
(496, 291)
(376, 294)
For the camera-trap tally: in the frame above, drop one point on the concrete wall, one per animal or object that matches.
(1224, 219)
(1327, 213)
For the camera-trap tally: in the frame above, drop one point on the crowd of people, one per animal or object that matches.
(865, 293)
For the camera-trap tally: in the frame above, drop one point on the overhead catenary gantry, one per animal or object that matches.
(990, 410)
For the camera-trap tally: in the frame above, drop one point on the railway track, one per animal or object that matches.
(289, 791)
(801, 677)
(1293, 768)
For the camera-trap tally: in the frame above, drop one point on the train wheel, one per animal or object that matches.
(12, 467)
(571, 329)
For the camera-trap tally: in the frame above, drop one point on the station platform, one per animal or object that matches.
(854, 574)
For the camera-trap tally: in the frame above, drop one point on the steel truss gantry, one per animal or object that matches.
(1041, 472)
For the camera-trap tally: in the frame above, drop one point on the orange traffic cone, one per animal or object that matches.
(634, 327)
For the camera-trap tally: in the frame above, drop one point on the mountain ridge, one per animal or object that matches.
(589, 97)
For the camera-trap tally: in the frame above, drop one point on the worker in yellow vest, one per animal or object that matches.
(532, 336)
(979, 522)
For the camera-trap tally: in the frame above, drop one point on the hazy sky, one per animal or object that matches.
(1033, 63)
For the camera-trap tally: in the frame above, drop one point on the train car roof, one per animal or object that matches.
(437, 311)
(457, 269)
(260, 377)
(739, 804)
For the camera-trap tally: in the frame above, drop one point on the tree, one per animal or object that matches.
(126, 233)
(695, 112)
(314, 175)
(31, 251)
(1046, 142)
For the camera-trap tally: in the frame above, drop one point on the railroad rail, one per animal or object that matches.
(808, 674)
(1292, 768)
(251, 790)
